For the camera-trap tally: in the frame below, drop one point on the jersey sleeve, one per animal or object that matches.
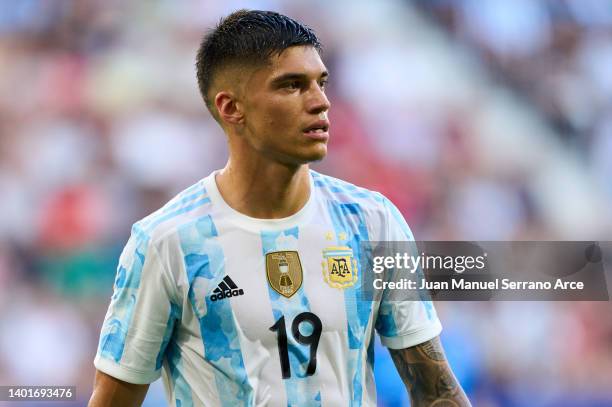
(141, 316)
(402, 324)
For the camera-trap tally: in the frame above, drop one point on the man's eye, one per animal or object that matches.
(323, 84)
(293, 85)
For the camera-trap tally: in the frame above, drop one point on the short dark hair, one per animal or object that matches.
(250, 38)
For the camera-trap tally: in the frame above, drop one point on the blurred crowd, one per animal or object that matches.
(480, 120)
(555, 54)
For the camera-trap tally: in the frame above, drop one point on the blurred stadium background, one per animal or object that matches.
(480, 119)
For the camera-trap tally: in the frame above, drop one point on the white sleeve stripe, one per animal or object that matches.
(125, 373)
(424, 334)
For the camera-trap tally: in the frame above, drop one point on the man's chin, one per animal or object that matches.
(303, 156)
(315, 155)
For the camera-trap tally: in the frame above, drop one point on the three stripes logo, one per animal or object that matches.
(226, 289)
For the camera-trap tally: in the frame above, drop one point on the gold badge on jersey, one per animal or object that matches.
(284, 272)
(339, 267)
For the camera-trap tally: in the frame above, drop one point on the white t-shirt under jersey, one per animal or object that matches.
(236, 311)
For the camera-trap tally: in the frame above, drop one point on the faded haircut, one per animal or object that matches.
(247, 38)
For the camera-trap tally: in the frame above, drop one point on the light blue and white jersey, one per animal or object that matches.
(236, 311)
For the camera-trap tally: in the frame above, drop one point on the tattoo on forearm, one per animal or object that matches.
(444, 403)
(432, 350)
(428, 377)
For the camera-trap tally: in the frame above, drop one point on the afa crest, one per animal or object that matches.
(339, 266)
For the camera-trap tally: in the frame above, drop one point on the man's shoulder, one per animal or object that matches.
(188, 205)
(343, 192)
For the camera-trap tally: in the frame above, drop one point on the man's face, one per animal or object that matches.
(285, 107)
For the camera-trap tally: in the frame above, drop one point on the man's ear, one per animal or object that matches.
(230, 110)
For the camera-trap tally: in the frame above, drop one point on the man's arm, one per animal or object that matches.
(111, 392)
(428, 377)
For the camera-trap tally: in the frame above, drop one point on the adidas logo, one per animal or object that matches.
(226, 288)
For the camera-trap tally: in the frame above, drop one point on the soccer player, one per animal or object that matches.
(243, 289)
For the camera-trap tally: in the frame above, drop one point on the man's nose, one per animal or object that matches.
(318, 101)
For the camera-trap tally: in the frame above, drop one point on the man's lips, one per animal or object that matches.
(318, 130)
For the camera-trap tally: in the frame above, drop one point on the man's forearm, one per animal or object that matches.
(428, 377)
(112, 392)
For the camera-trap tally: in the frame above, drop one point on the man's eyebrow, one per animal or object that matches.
(295, 76)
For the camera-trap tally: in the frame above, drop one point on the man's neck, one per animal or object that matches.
(264, 190)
